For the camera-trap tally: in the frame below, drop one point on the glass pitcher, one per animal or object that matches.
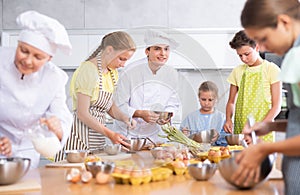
(44, 141)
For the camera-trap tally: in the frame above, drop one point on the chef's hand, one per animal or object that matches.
(150, 116)
(249, 161)
(228, 126)
(5, 146)
(53, 123)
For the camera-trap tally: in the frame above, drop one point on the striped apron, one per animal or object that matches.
(82, 137)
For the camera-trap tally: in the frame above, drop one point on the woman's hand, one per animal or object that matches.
(5, 147)
(117, 138)
(260, 128)
(53, 123)
(228, 126)
(249, 161)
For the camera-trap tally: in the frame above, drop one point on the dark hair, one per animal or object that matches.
(263, 13)
(240, 39)
(119, 40)
(208, 86)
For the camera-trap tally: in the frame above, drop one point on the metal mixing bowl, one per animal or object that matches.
(95, 167)
(112, 149)
(228, 166)
(234, 139)
(208, 136)
(76, 156)
(13, 169)
(202, 171)
(136, 144)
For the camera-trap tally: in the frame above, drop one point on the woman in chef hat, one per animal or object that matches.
(275, 26)
(92, 86)
(32, 87)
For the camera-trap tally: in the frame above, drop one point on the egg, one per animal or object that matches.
(102, 178)
(73, 175)
(86, 176)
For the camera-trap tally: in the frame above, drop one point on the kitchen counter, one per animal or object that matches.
(53, 182)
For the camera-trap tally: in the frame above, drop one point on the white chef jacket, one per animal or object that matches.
(139, 89)
(24, 101)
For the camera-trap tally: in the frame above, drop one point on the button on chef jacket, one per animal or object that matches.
(24, 102)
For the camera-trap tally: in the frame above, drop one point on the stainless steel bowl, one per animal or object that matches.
(202, 171)
(228, 166)
(136, 144)
(163, 116)
(13, 169)
(95, 167)
(208, 136)
(76, 156)
(112, 149)
(234, 139)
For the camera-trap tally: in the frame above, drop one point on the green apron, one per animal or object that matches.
(251, 100)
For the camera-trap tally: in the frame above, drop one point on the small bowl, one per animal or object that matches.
(104, 167)
(136, 144)
(156, 151)
(202, 171)
(163, 116)
(76, 156)
(112, 149)
(234, 139)
(13, 169)
(228, 166)
(208, 136)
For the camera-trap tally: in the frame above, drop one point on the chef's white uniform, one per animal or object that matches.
(139, 89)
(24, 101)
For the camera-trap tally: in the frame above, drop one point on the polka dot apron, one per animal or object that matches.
(251, 100)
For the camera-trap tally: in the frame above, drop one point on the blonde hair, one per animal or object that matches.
(263, 13)
(208, 86)
(119, 40)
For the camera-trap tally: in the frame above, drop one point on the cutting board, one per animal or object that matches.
(22, 185)
(120, 156)
(103, 156)
(64, 164)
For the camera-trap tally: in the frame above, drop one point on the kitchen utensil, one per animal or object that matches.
(44, 141)
(208, 136)
(202, 171)
(13, 169)
(112, 149)
(228, 166)
(234, 139)
(76, 156)
(99, 166)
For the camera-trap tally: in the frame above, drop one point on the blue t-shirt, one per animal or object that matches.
(196, 122)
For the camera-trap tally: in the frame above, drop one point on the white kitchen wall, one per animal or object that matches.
(203, 29)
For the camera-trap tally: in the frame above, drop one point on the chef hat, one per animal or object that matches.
(155, 37)
(43, 32)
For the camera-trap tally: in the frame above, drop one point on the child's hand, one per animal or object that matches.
(215, 136)
(228, 126)
(186, 131)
